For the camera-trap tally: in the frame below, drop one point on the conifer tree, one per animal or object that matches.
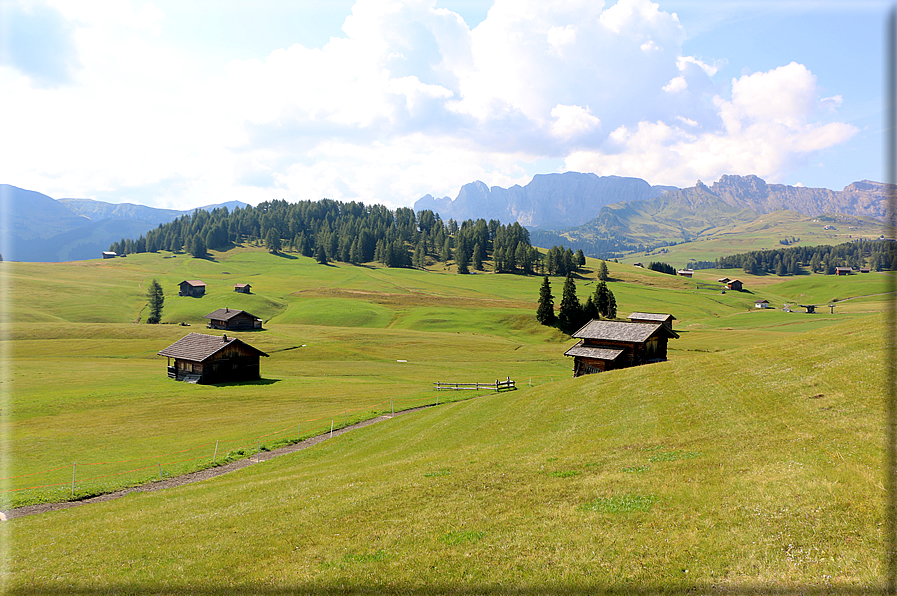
(156, 298)
(545, 312)
(570, 314)
(603, 274)
(602, 300)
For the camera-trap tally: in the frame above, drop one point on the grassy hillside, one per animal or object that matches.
(742, 459)
(764, 232)
(722, 472)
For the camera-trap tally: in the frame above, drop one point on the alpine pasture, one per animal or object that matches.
(751, 459)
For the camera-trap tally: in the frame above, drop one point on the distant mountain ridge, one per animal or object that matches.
(557, 201)
(42, 229)
(549, 200)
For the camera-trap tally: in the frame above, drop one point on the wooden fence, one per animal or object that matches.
(496, 386)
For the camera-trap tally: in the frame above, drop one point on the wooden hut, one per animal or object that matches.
(685, 272)
(734, 284)
(193, 287)
(230, 319)
(243, 288)
(608, 345)
(843, 270)
(652, 317)
(762, 303)
(205, 359)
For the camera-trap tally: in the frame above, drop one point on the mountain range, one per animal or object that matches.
(40, 228)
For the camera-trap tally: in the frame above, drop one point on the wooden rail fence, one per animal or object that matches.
(496, 386)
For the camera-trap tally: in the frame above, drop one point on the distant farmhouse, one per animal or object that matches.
(843, 270)
(734, 284)
(194, 288)
(229, 319)
(243, 288)
(609, 345)
(761, 304)
(206, 359)
(108, 254)
(685, 272)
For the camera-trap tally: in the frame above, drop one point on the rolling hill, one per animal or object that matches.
(653, 479)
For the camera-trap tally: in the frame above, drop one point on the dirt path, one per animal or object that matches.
(200, 475)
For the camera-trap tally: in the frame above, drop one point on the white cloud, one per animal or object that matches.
(676, 85)
(408, 100)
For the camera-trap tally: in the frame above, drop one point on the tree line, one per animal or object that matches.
(353, 233)
(878, 255)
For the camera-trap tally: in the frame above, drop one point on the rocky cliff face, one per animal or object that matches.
(549, 200)
(859, 198)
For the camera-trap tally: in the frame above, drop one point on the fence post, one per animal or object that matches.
(299, 432)
(161, 479)
(391, 409)
(214, 457)
(331, 429)
(74, 467)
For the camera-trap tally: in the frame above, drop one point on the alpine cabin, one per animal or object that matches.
(230, 319)
(193, 288)
(608, 345)
(206, 359)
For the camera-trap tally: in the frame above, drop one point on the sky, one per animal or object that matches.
(182, 103)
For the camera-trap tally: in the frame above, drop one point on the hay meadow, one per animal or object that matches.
(750, 461)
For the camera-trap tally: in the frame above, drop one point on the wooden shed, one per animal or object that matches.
(608, 345)
(762, 303)
(685, 272)
(230, 319)
(193, 287)
(206, 359)
(243, 288)
(652, 317)
(734, 284)
(843, 270)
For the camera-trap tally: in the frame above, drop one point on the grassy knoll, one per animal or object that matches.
(752, 468)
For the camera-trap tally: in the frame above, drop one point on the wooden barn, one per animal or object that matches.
(735, 284)
(608, 345)
(761, 304)
(652, 317)
(843, 270)
(685, 272)
(229, 319)
(207, 359)
(194, 288)
(243, 288)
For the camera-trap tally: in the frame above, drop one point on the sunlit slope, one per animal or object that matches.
(758, 465)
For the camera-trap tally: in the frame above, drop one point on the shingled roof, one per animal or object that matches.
(197, 347)
(226, 314)
(591, 352)
(651, 316)
(193, 282)
(620, 331)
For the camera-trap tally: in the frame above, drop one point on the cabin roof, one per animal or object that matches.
(226, 314)
(594, 352)
(761, 300)
(652, 316)
(193, 282)
(198, 347)
(242, 285)
(621, 331)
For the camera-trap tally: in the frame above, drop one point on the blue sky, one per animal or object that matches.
(180, 103)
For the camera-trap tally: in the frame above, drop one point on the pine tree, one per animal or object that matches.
(272, 241)
(570, 313)
(156, 299)
(602, 300)
(321, 255)
(198, 247)
(611, 305)
(603, 274)
(545, 312)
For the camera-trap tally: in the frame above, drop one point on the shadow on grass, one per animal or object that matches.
(284, 255)
(243, 383)
(346, 587)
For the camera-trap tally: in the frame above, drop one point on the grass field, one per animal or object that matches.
(751, 458)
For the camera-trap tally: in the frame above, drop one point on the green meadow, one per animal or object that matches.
(751, 459)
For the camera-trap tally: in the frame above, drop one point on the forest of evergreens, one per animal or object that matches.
(878, 255)
(355, 233)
